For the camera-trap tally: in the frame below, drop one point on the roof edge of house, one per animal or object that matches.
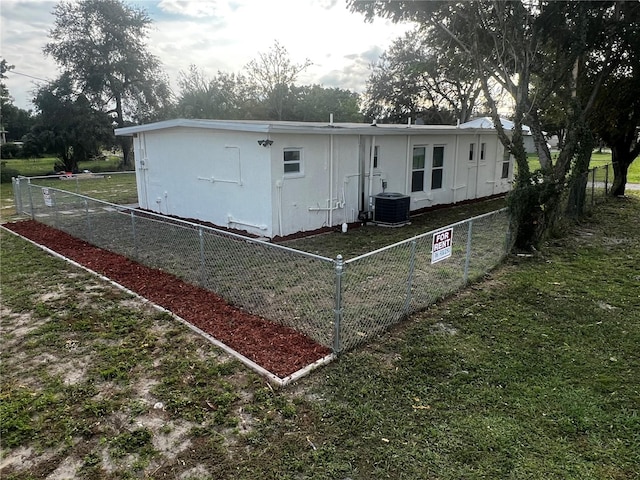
(260, 126)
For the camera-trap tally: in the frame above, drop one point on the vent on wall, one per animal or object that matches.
(391, 209)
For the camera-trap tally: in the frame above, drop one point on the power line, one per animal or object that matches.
(27, 75)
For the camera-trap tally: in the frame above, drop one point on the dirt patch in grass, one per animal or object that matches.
(280, 350)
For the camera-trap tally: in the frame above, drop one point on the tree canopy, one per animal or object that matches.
(273, 73)
(267, 90)
(535, 51)
(415, 79)
(67, 125)
(101, 46)
(14, 122)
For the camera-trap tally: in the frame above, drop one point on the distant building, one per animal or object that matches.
(487, 122)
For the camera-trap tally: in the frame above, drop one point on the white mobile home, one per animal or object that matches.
(280, 178)
(508, 125)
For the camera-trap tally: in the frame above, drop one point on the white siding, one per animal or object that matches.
(324, 193)
(219, 177)
(225, 177)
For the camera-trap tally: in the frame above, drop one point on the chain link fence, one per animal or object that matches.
(382, 287)
(113, 187)
(338, 303)
(591, 187)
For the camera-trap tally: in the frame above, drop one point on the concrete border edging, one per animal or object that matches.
(271, 377)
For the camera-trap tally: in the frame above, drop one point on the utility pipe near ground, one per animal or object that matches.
(371, 158)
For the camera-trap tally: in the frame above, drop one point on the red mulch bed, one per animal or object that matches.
(280, 350)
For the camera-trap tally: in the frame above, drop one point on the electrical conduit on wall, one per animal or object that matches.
(279, 184)
(330, 214)
(371, 154)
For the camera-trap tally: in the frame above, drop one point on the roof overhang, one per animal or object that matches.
(317, 128)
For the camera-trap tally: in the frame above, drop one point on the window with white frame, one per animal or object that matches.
(506, 162)
(417, 170)
(472, 152)
(483, 148)
(292, 161)
(437, 167)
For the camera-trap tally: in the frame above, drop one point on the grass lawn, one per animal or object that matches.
(532, 373)
(597, 160)
(119, 188)
(31, 167)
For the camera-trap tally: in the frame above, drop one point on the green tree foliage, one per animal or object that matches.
(68, 125)
(315, 103)
(225, 96)
(273, 74)
(615, 117)
(416, 79)
(101, 45)
(534, 51)
(15, 122)
(235, 97)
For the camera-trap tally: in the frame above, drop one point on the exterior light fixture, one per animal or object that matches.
(265, 143)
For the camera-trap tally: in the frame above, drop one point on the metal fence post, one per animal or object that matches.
(507, 238)
(468, 258)
(86, 211)
(203, 273)
(54, 198)
(593, 186)
(337, 324)
(16, 194)
(606, 179)
(133, 232)
(412, 265)
(33, 215)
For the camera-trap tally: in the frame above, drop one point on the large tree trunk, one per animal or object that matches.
(620, 169)
(622, 157)
(580, 170)
(124, 142)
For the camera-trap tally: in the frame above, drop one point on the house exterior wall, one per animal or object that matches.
(463, 178)
(325, 190)
(391, 165)
(225, 177)
(219, 177)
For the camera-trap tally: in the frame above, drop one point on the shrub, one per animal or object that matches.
(7, 173)
(11, 150)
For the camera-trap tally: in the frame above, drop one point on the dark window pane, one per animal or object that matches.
(291, 167)
(418, 157)
(505, 170)
(438, 156)
(417, 181)
(436, 179)
(292, 155)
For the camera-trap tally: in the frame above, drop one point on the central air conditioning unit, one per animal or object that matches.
(391, 209)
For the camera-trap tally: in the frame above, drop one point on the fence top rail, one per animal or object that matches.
(72, 175)
(423, 235)
(186, 224)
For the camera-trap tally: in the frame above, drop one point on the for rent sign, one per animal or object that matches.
(47, 197)
(442, 245)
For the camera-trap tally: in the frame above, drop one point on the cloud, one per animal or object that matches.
(25, 28)
(196, 9)
(218, 35)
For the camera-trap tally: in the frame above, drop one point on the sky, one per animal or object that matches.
(215, 35)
